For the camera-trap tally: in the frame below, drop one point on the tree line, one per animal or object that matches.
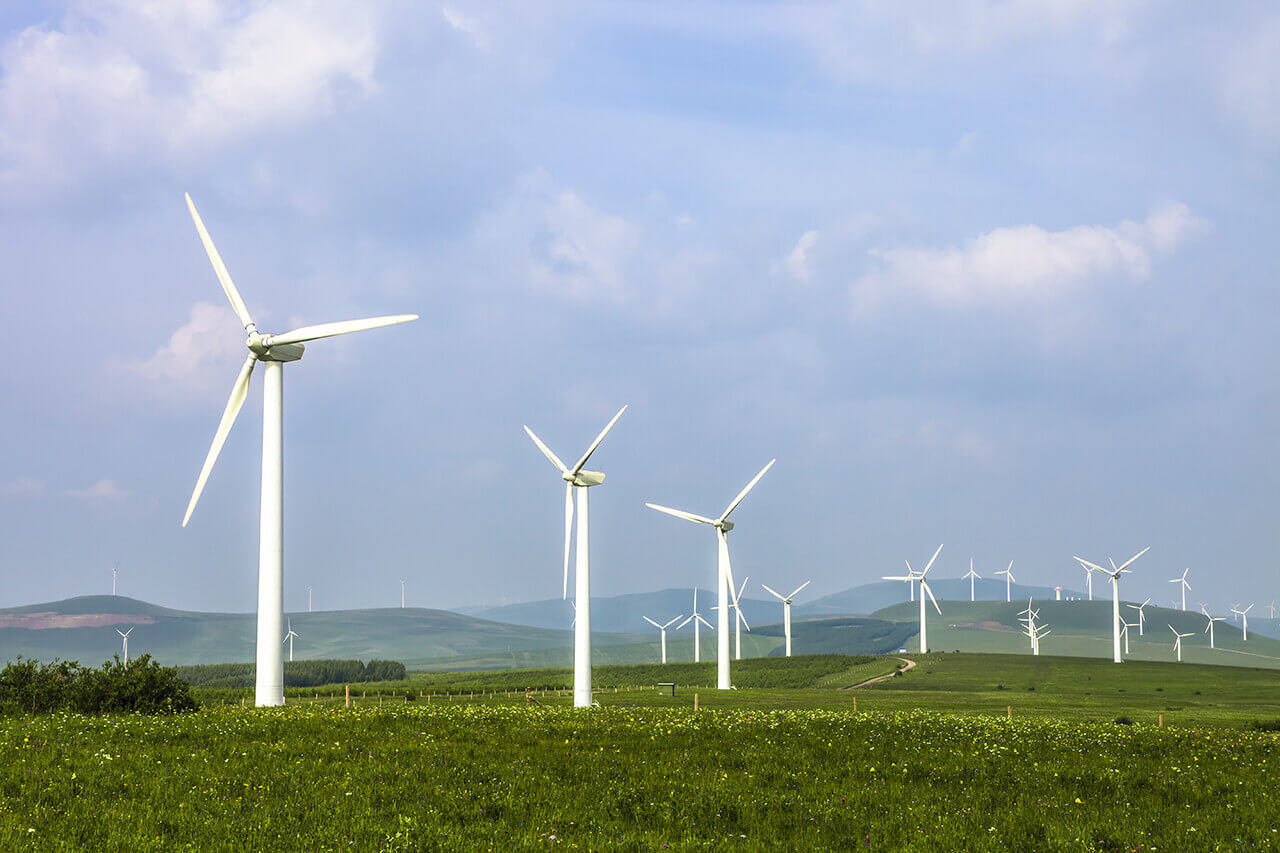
(301, 673)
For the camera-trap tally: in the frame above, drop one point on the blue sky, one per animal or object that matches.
(1001, 277)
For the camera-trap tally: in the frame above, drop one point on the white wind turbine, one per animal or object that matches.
(576, 478)
(1141, 613)
(1034, 631)
(114, 570)
(273, 351)
(402, 595)
(1209, 628)
(1124, 631)
(1185, 586)
(288, 638)
(1089, 569)
(971, 574)
(786, 610)
(1177, 642)
(124, 637)
(1271, 610)
(695, 618)
(1114, 577)
(308, 599)
(724, 580)
(663, 629)
(738, 619)
(1244, 621)
(910, 577)
(1008, 580)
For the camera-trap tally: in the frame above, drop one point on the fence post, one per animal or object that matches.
(1161, 721)
(1009, 711)
(348, 695)
(695, 701)
(855, 704)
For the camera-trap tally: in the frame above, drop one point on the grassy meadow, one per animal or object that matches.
(787, 764)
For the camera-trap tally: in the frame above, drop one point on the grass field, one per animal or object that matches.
(768, 767)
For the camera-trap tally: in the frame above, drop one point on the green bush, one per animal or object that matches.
(140, 686)
(302, 673)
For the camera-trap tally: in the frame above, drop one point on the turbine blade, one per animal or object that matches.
(780, 598)
(934, 557)
(568, 530)
(728, 566)
(738, 595)
(596, 443)
(1135, 556)
(802, 586)
(682, 624)
(744, 619)
(218, 267)
(343, 327)
(1093, 567)
(681, 616)
(925, 587)
(733, 504)
(679, 513)
(882, 577)
(654, 624)
(705, 622)
(546, 451)
(238, 392)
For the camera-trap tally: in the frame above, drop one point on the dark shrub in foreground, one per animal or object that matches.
(140, 686)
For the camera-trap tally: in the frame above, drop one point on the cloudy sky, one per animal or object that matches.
(1001, 277)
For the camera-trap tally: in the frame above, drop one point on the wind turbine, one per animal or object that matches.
(576, 478)
(308, 599)
(697, 632)
(663, 629)
(124, 636)
(1034, 631)
(1209, 628)
(114, 570)
(273, 351)
(786, 610)
(402, 595)
(1141, 613)
(911, 576)
(1124, 631)
(1089, 569)
(971, 574)
(1177, 642)
(1185, 586)
(1114, 577)
(289, 639)
(1244, 621)
(739, 619)
(1271, 610)
(724, 580)
(1008, 580)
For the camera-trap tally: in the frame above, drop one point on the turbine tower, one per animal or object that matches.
(1008, 581)
(114, 570)
(724, 574)
(308, 599)
(912, 577)
(663, 629)
(695, 618)
(273, 351)
(402, 595)
(1177, 643)
(576, 478)
(1185, 586)
(124, 637)
(971, 574)
(786, 610)
(288, 638)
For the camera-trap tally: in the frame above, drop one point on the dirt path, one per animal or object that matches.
(910, 665)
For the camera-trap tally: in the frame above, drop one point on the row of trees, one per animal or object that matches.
(140, 686)
(302, 673)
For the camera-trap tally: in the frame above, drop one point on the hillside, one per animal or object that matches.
(869, 597)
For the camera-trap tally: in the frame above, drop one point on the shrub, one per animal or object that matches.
(140, 686)
(1123, 721)
(1264, 726)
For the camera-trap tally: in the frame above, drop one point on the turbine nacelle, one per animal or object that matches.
(583, 478)
(264, 347)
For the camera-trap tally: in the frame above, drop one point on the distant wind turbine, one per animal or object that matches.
(1008, 581)
(114, 569)
(1185, 586)
(910, 577)
(577, 481)
(1177, 642)
(289, 639)
(1141, 613)
(402, 595)
(725, 584)
(697, 632)
(308, 599)
(971, 574)
(124, 636)
(663, 629)
(273, 352)
(786, 610)
(1244, 621)
(1114, 577)
(1088, 576)
(1124, 630)
(738, 619)
(1209, 628)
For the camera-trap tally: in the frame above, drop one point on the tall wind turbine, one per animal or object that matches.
(114, 570)
(1114, 577)
(1209, 628)
(273, 351)
(971, 574)
(786, 610)
(1185, 586)
(663, 629)
(402, 595)
(124, 636)
(577, 481)
(1008, 581)
(1141, 613)
(695, 618)
(1244, 621)
(289, 639)
(911, 577)
(1177, 642)
(724, 574)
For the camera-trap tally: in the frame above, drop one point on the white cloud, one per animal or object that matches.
(115, 78)
(106, 490)
(796, 263)
(1025, 262)
(19, 486)
(201, 356)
